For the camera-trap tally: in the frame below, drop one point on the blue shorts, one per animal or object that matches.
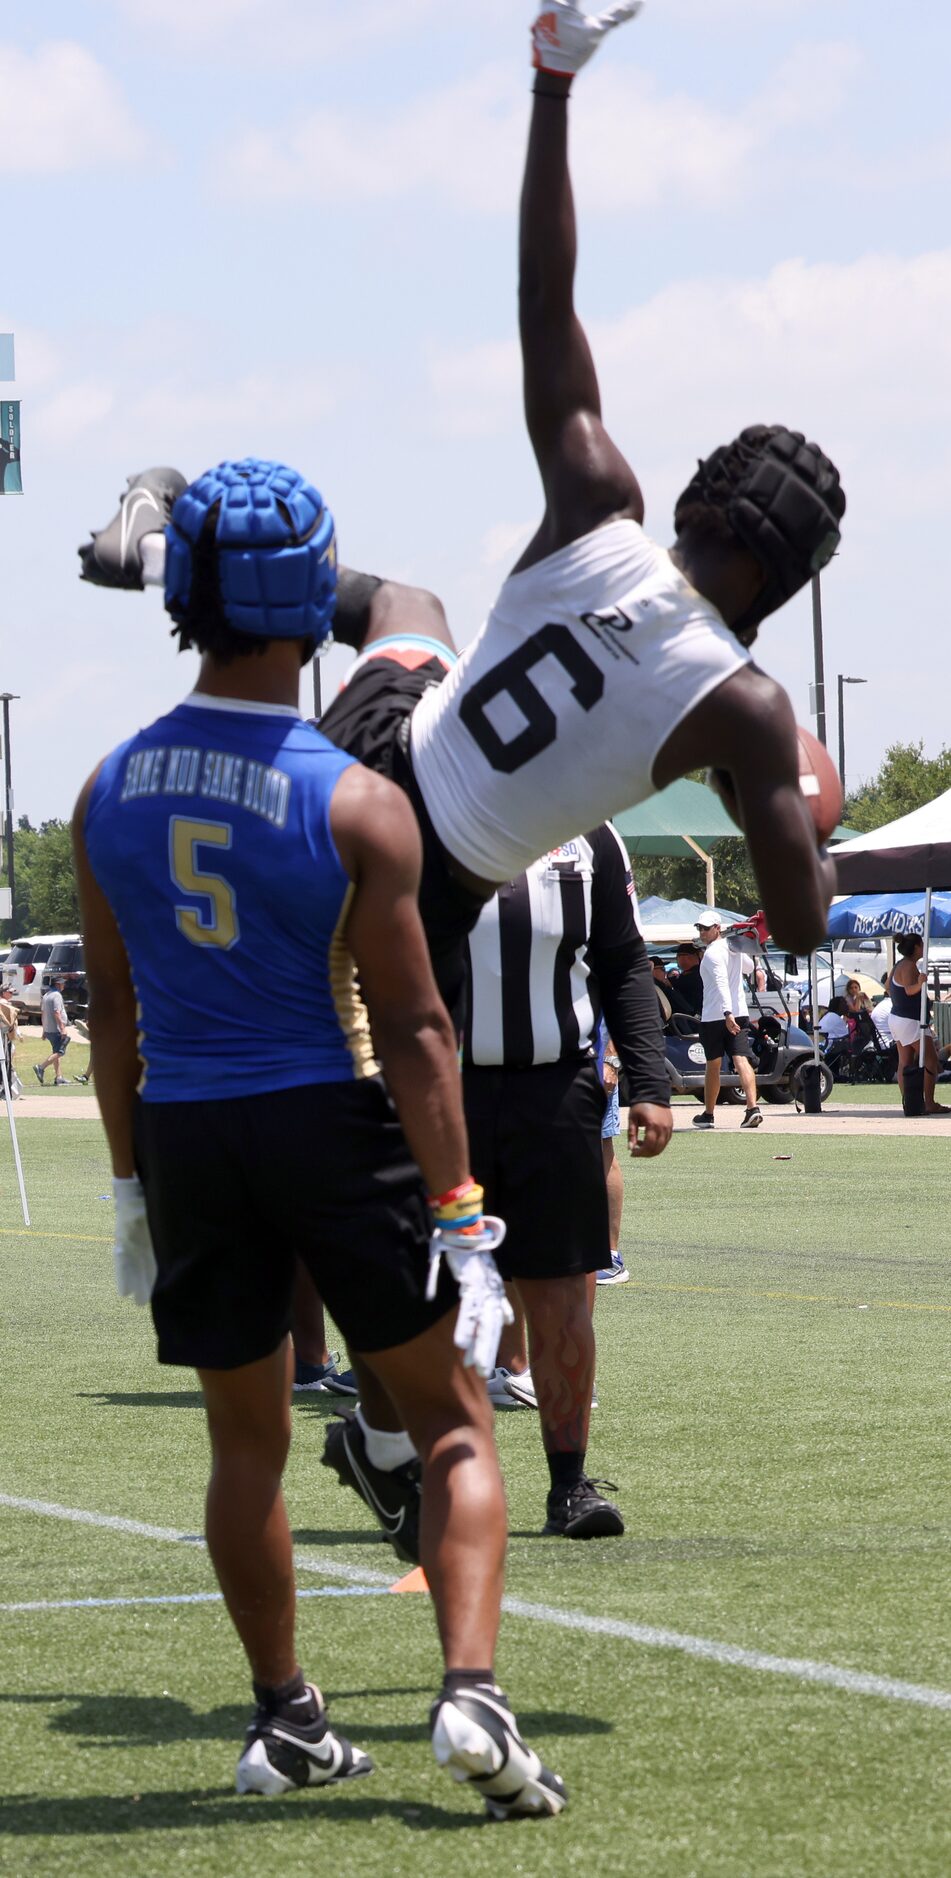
(611, 1124)
(58, 1045)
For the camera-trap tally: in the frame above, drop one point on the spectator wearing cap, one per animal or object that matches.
(690, 983)
(724, 1019)
(54, 1033)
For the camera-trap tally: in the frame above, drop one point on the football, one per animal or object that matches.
(819, 782)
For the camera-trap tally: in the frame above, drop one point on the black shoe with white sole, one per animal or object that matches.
(281, 1754)
(394, 1497)
(113, 558)
(704, 1120)
(753, 1117)
(476, 1736)
(581, 1512)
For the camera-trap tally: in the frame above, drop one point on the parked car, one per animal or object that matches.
(67, 962)
(23, 971)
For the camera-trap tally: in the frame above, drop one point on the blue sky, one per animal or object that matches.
(241, 226)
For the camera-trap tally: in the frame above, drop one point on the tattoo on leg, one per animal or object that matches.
(563, 1374)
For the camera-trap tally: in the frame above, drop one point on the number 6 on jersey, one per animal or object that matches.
(216, 924)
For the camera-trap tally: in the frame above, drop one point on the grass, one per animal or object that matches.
(773, 1386)
(31, 1048)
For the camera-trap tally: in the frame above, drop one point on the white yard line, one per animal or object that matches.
(186, 1597)
(649, 1636)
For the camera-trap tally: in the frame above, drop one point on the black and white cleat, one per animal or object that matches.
(113, 558)
(475, 1735)
(280, 1754)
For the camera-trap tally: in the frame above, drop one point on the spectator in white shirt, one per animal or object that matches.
(724, 1019)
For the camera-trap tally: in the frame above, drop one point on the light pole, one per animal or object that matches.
(7, 698)
(820, 684)
(843, 681)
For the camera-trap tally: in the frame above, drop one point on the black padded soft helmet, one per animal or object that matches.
(782, 498)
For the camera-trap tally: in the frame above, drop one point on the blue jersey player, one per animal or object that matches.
(248, 1130)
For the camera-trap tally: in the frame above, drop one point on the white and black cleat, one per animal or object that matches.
(282, 1754)
(475, 1735)
(113, 558)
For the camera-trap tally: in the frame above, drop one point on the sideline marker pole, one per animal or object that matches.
(8, 1098)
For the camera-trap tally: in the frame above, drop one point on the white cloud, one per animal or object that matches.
(281, 32)
(71, 414)
(856, 353)
(634, 146)
(504, 542)
(62, 111)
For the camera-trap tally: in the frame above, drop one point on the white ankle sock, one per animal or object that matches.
(384, 1450)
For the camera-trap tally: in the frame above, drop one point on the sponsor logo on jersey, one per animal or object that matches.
(609, 628)
(569, 851)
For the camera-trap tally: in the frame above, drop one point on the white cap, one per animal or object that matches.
(709, 917)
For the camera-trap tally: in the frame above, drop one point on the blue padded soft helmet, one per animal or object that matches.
(275, 548)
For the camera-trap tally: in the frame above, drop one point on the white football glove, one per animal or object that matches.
(484, 1309)
(564, 38)
(132, 1254)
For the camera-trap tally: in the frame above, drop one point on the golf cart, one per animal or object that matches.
(779, 1047)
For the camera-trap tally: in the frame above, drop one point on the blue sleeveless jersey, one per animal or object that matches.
(209, 835)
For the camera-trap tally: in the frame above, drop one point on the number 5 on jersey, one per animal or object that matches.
(215, 923)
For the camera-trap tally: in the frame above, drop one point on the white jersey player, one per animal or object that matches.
(609, 666)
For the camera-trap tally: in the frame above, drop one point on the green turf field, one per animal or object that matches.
(774, 1389)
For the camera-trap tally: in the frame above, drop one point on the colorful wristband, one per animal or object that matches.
(461, 1206)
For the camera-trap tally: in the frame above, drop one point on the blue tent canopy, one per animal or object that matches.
(869, 914)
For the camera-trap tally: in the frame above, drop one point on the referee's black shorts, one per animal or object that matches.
(370, 720)
(237, 1190)
(535, 1145)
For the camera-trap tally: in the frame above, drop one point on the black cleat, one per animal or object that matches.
(475, 1735)
(393, 1498)
(113, 558)
(581, 1513)
(281, 1754)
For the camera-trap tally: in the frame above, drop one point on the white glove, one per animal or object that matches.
(484, 1308)
(564, 38)
(132, 1254)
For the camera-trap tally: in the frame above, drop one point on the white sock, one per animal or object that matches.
(384, 1450)
(152, 556)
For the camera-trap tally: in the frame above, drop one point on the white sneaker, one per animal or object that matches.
(476, 1736)
(522, 1389)
(497, 1386)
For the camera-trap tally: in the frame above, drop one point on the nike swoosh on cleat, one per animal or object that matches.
(326, 1760)
(129, 512)
(392, 1521)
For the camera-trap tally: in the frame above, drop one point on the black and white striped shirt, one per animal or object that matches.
(532, 995)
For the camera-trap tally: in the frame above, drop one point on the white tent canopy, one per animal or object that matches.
(911, 853)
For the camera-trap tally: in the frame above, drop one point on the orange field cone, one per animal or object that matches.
(414, 1581)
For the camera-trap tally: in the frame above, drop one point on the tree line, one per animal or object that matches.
(44, 880)
(46, 899)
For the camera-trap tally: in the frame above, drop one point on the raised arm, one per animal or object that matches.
(585, 478)
(745, 731)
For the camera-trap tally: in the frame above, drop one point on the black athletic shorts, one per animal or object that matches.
(718, 1041)
(535, 1142)
(237, 1190)
(370, 720)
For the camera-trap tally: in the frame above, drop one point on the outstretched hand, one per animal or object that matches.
(564, 38)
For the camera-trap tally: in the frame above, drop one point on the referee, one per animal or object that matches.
(550, 952)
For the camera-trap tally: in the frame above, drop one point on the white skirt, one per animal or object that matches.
(906, 1029)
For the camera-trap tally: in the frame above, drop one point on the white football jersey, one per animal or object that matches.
(553, 716)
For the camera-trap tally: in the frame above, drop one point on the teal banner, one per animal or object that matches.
(10, 480)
